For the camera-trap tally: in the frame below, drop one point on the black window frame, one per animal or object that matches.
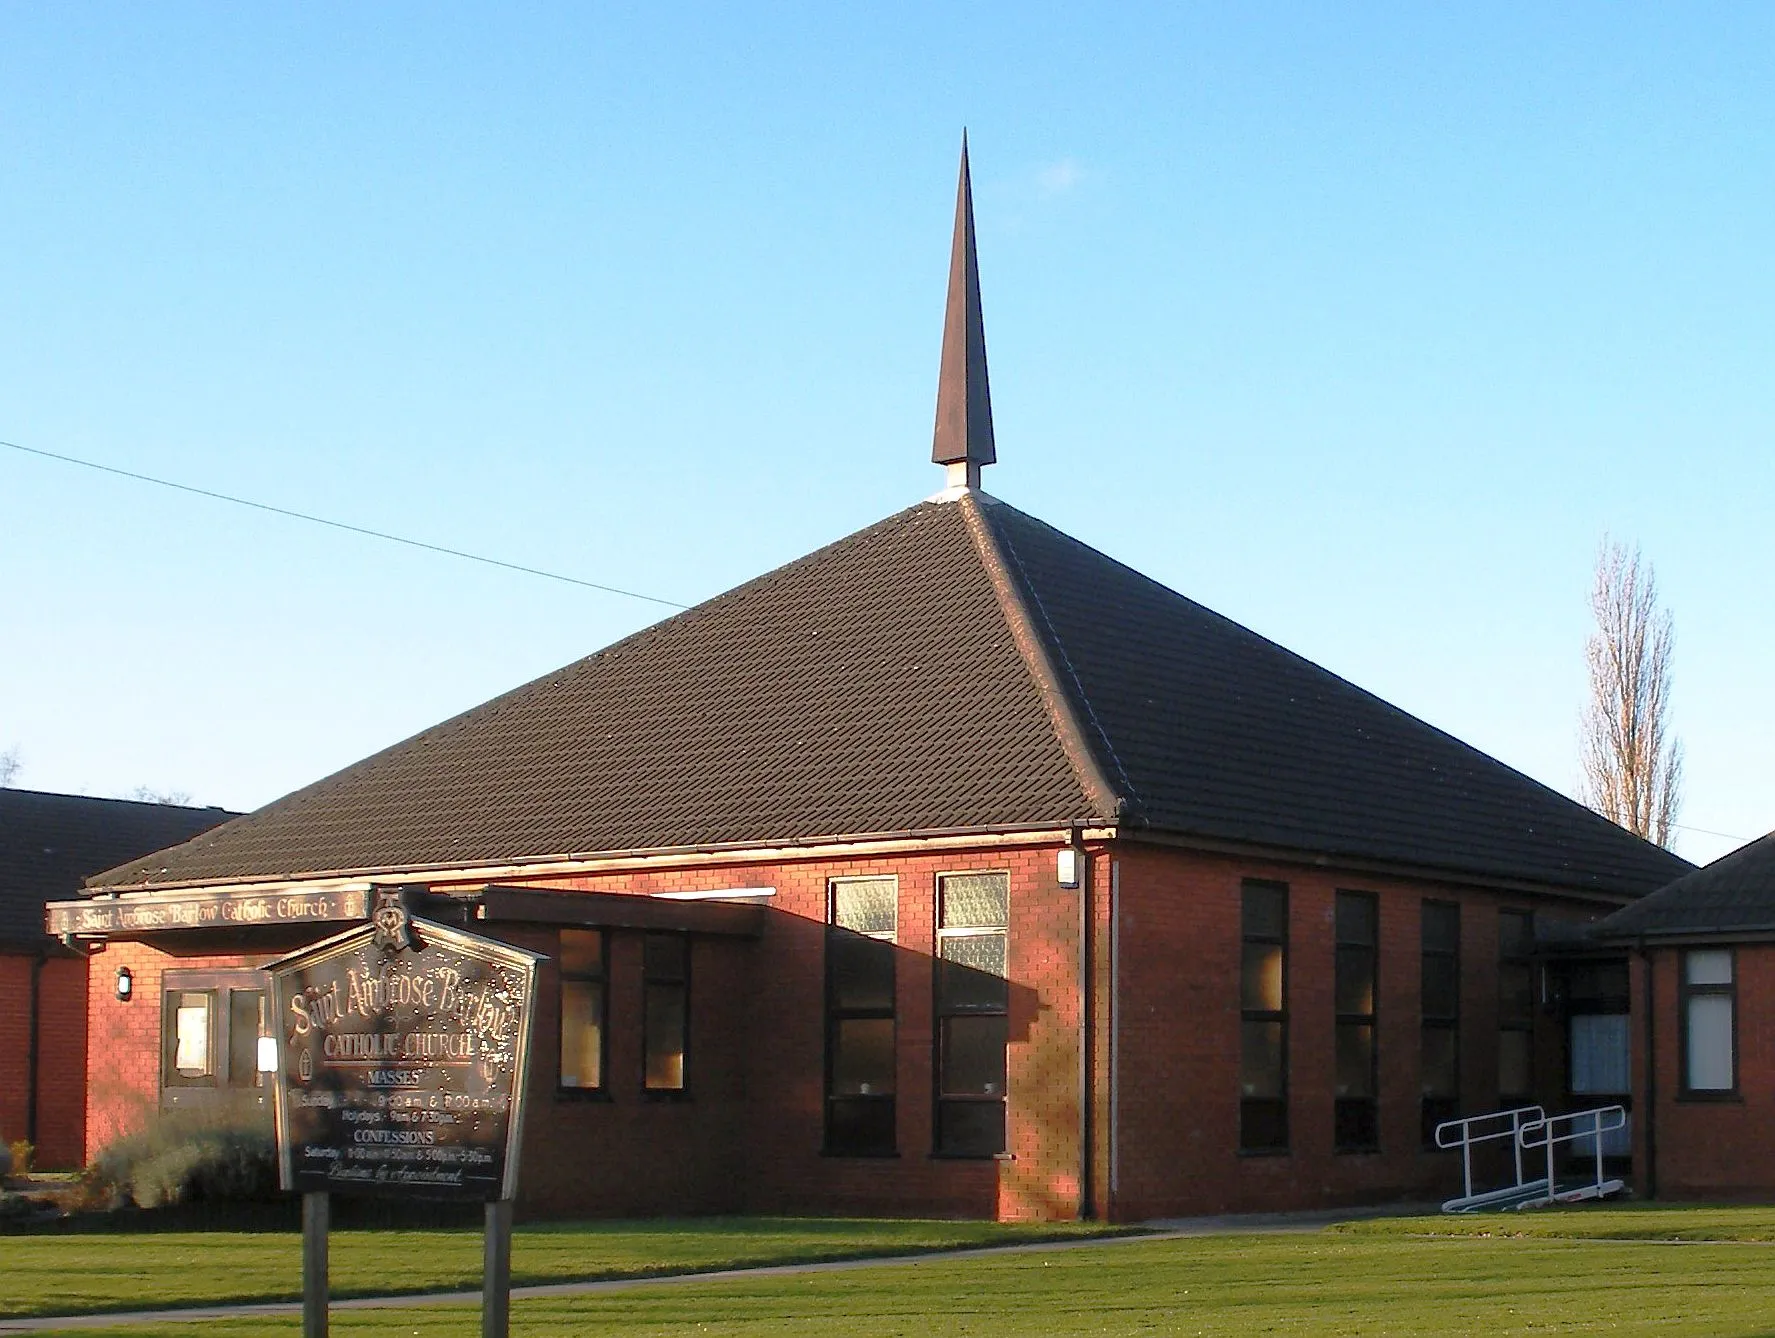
(860, 1124)
(1264, 1115)
(1522, 1024)
(601, 978)
(1686, 993)
(223, 1081)
(1438, 952)
(1356, 1123)
(674, 982)
(957, 998)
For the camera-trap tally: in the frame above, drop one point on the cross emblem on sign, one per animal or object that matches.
(394, 930)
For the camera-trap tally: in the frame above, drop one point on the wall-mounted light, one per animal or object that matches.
(126, 985)
(1067, 867)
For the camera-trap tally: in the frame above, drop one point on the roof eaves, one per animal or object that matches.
(746, 851)
(1037, 643)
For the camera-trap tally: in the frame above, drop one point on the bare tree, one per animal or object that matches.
(9, 765)
(1633, 767)
(147, 794)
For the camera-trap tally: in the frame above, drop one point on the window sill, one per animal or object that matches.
(1726, 1098)
(665, 1094)
(573, 1094)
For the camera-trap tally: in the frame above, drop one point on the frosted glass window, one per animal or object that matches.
(1599, 1054)
(976, 901)
(978, 952)
(191, 1055)
(866, 906)
(1713, 967)
(1709, 1002)
(973, 1000)
(1710, 1043)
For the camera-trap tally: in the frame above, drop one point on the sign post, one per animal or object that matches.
(403, 1049)
(314, 1263)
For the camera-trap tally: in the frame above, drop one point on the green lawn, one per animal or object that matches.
(1645, 1221)
(56, 1274)
(1390, 1278)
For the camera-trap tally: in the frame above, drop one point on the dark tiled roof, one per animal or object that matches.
(872, 686)
(1734, 893)
(959, 665)
(51, 843)
(1210, 729)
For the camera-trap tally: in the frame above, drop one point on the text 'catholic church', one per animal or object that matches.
(953, 869)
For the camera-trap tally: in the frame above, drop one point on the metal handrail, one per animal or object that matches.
(1462, 1135)
(1546, 1132)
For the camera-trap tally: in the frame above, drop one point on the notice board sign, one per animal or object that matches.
(403, 1049)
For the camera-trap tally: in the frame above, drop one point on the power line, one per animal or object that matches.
(1708, 831)
(341, 525)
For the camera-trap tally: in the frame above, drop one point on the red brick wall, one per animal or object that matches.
(1177, 1088)
(1709, 1149)
(15, 1044)
(123, 1058)
(61, 1063)
(773, 1021)
(748, 1135)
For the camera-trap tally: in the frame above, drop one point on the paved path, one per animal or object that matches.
(1174, 1229)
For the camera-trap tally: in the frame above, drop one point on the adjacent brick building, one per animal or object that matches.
(49, 844)
(1703, 994)
(953, 869)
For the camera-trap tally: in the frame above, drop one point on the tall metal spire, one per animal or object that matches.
(963, 440)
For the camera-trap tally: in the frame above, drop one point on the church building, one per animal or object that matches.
(952, 869)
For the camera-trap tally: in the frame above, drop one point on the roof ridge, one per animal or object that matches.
(1040, 650)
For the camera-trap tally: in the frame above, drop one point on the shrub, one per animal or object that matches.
(183, 1158)
(15, 1207)
(22, 1154)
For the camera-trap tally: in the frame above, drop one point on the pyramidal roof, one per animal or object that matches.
(958, 667)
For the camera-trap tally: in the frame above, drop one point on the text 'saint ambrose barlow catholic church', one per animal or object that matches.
(954, 868)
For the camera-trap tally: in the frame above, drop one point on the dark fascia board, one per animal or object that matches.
(1357, 864)
(608, 910)
(1676, 938)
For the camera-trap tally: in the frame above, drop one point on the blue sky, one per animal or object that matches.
(1361, 326)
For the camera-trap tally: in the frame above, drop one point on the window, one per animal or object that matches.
(1356, 1114)
(1598, 1048)
(1516, 1007)
(1709, 1034)
(973, 1012)
(210, 1025)
(1263, 1018)
(584, 1002)
(191, 1059)
(1439, 1008)
(665, 983)
(862, 917)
